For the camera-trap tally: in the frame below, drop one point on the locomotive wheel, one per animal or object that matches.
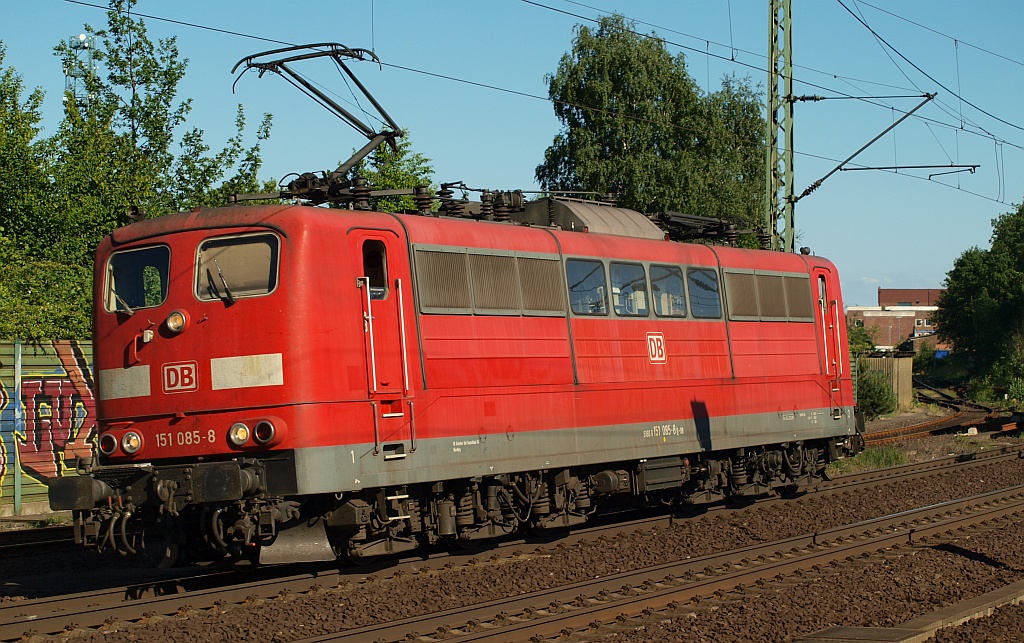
(467, 545)
(739, 502)
(165, 553)
(789, 491)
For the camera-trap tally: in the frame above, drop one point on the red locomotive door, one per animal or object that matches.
(828, 321)
(383, 294)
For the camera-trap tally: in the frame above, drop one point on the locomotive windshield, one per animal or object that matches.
(231, 267)
(136, 279)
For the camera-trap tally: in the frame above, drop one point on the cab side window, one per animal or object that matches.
(375, 268)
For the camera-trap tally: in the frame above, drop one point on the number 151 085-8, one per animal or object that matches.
(184, 438)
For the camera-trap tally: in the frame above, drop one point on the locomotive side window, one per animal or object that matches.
(629, 289)
(375, 268)
(705, 302)
(588, 291)
(231, 267)
(667, 291)
(466, 281)
(137, 279)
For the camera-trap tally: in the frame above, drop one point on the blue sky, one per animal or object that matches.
(882, 229)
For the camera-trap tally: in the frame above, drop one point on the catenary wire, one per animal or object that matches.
(983, 134)
(924, 73)
(706, 53)
(483, 85)
(939, 33)
(546, 99)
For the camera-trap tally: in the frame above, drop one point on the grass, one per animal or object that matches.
(869, 458)
(930, 408)
(55, 520)
(968, 443)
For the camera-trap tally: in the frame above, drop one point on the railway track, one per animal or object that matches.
(661, 591)
(14, 542)
(965, 413)
(168, 596)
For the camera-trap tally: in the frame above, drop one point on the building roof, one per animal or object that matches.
(909, 296)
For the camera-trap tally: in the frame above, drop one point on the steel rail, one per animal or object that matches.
(895, 435)
(549, 613)
(165, 595)
(14, 542)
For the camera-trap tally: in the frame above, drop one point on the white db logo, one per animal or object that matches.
(656, 348)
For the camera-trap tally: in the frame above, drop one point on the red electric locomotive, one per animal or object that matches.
(304, 383)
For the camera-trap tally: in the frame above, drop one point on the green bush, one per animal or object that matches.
(41, 300)
(924, 359)
(1015, 394)
(981, 389)
(875, 396)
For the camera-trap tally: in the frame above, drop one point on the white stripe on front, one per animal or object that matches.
(246, 371)
(119, 383)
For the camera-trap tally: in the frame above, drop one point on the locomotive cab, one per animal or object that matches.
(216, 328)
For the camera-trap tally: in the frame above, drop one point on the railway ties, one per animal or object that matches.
(495, 615)
(674, 589)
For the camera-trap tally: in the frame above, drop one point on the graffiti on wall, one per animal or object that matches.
(58, 416)
(4, 400)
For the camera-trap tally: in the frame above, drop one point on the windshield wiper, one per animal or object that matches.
(227, 290)
(128, 310)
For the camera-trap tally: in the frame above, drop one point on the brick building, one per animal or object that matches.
(903, 318)
(909, 296)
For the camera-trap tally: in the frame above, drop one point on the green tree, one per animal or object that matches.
(635, 122)
(21, 155)
(39, 299)
(196, 174)
(389, 169)
(981, 312)
(136, 103)
(860, 339)
(120, 156)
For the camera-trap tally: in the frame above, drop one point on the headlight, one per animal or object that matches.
(131, 442)
(238, 434)
(108, 443)
(264, 432)
(177, 321)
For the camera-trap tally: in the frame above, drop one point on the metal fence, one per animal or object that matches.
(47, 419)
